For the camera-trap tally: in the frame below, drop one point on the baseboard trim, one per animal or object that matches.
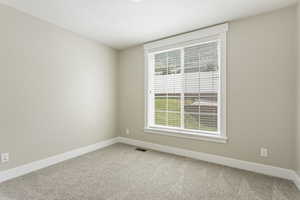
(230, 162)
(297, 180)
(36, 165)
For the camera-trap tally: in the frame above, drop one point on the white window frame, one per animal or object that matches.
(215, 33)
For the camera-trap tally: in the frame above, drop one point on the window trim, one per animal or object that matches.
(219, 33)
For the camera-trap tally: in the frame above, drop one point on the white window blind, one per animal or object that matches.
(186, 87)
(186, 84)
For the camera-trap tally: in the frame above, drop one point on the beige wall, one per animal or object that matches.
(298, 97)
(57, 90)
(261, 92)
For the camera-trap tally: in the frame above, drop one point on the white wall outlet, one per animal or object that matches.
(264, 152)
(127, 131)
(4, 157)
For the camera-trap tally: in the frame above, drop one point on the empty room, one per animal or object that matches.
(149, 100)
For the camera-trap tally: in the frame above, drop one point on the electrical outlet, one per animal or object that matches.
(127, 131)
(4, 157)
(264, 152)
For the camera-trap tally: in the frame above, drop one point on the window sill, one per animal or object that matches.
(187, 134)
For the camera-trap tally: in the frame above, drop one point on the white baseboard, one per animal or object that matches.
(25, 169)
(297, 180)
(245, 165)
(230, 162)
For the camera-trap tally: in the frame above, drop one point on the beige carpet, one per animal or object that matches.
(119, 172)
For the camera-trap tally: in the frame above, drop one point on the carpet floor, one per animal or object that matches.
(119, 172)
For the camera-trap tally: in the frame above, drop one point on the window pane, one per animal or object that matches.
(161, 71)
(174, 70)
(192, 83)
(191, 103)
(191, 121)
(208, 122)
(209, 82)
(209, 98)
(204, 56)
(167, 77)
(161, 118)
(174, 62)
(174, 119)
(160, 103)
(209, 67)
(191, 70)
(201, 82)
(161, 60)
(208, 111)
(174, 58)
(174, 103)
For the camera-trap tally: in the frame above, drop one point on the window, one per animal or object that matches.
(185, 88)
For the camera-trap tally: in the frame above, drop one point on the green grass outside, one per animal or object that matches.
(174, 118)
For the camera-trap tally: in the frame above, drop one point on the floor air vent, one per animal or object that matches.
(140, 149)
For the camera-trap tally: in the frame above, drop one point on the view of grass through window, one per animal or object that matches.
(168, 113)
